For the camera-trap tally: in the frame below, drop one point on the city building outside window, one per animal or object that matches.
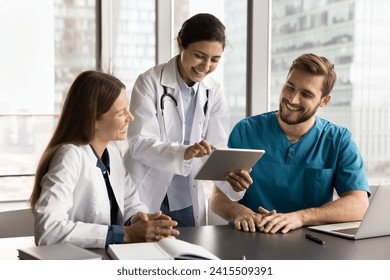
(46, 44)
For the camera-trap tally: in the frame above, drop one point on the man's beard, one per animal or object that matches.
(302, 117)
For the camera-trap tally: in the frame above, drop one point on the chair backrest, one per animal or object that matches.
(16, 223)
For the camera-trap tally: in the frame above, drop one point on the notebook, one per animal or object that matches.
(375, 222)
(63, 251)
(165, 249)
(223, 161)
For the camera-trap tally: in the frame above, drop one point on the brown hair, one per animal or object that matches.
(90, 96)
(317, 65)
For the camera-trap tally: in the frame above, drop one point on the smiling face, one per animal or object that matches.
(198, 60)
(112, 125)
(301, 96)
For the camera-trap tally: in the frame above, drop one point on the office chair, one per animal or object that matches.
(16, 223)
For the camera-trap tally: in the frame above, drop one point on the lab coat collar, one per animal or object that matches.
(104, 162)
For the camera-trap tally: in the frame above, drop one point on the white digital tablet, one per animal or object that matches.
(223, 161)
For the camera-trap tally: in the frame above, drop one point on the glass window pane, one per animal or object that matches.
(74, 41)
(354, 36)
(15, 189)
(22, 141)
(231, 71)
(46, 44)
(26, 55)
(134, 39)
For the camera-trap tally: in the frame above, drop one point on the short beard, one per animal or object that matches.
(302, 118)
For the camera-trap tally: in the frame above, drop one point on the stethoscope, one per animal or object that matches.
(166, 95)
(169, 97)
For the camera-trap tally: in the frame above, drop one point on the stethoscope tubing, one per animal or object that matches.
(173, 99)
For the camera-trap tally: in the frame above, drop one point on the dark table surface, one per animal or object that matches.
(229, 244)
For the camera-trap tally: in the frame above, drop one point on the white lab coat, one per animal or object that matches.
(152, 159)
(74, 206)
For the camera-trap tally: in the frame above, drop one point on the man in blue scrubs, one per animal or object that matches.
(306, 159)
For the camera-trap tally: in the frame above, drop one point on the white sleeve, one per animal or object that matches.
(227, 189)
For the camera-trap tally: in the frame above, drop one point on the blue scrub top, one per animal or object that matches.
(290, 177)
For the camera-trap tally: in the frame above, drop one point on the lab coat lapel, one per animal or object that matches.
(117, 182)
(198, 133)
(169, 80)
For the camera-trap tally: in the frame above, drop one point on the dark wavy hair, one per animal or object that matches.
(202, 27)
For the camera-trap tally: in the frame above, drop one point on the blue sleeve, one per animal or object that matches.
(115, 234)
(234, 140)
(350, 172)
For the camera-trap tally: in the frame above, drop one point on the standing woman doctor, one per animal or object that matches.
(180, 115)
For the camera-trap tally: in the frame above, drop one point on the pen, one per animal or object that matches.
(315, 239)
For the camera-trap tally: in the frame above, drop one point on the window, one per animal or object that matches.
(27, 90)
(353, 35)
(132, 34)
(46, 44)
